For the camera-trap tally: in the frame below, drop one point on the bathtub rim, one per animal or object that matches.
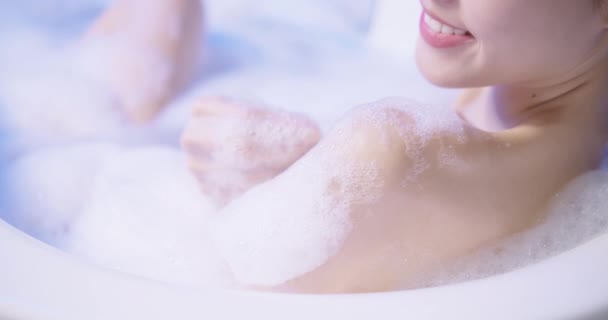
(533, 292)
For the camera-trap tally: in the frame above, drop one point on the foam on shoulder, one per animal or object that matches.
(416, 124)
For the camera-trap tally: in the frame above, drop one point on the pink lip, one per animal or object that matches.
(439, 40)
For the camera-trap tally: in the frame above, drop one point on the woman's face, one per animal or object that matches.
(506, 41)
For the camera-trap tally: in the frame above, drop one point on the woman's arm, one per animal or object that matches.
(388, 195)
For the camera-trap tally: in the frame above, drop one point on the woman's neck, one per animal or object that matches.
(502, 107)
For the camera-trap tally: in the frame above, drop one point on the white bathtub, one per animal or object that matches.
(40, 282)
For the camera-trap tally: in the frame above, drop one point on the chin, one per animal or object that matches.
(440, 79)
(445, 75)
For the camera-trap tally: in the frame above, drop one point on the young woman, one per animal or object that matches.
(397, 189)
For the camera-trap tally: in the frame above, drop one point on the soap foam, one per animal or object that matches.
(285, 228)
(279, 230)
(253, 139)
(146, 216)
(417, 124)
(48, 188)
(50, 106)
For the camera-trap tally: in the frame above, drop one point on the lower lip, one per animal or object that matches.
(441, 40)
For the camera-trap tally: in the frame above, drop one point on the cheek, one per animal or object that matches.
(503, 31)
(545, 40)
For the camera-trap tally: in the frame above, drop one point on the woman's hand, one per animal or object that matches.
(232, 146)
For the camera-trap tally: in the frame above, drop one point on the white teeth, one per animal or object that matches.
(435, 25)
(445, 29)
(427, 18)
(439, 27)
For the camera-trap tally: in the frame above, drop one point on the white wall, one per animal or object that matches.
(394, 26)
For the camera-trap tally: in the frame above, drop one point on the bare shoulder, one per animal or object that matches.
(393, 121)
(426, 138)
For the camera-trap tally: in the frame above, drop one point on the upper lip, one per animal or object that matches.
(434, 16)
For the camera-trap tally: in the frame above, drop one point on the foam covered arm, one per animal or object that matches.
(313, 228)
(394, 191)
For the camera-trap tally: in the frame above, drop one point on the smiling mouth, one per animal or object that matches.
(441, 35)
(439, 27)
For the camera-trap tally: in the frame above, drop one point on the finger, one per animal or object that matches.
(199, 132)
(198, 153)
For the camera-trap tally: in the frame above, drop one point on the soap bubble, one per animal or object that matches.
(146, 216)
(48, 188)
